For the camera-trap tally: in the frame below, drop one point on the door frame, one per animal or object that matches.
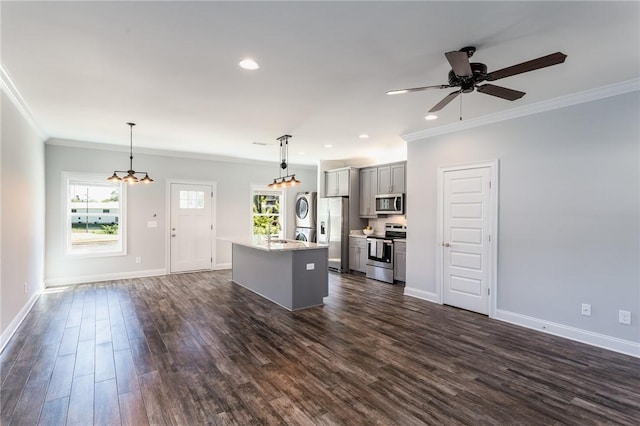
(214, 231)
(493, 230)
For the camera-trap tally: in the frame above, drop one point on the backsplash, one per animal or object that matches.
(378, 224)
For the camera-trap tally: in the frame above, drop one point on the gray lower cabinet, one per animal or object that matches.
(400, 262)
(358, 254)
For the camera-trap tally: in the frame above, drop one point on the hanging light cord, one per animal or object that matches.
(131, 146)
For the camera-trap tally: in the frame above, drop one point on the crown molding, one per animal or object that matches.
(12, 92)
(68, 143)
(538, 107)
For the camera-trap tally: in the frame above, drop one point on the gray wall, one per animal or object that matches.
(568, 211)
(22, 213)
(233, 178)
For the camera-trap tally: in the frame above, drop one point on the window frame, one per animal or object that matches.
(91, 179)
(265, 190)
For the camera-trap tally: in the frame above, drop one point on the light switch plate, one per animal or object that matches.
(152, 224)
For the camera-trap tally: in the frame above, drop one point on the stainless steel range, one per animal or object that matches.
(380, 252)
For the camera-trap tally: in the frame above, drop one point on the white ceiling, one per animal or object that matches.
(86, 68)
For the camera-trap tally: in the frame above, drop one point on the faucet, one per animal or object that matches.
(269, 225)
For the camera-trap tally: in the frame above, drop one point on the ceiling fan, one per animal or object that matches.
(467, 76)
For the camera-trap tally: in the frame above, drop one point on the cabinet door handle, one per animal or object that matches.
(446, 244)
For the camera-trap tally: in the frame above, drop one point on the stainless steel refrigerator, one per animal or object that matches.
(333, 230)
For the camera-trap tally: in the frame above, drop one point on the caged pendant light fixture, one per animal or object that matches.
(130, 178)
(287, 180)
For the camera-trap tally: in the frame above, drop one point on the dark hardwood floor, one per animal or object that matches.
(198, 349)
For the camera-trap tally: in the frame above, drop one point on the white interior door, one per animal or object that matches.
(466, 242)
(191, 227)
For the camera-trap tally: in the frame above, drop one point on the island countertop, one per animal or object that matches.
(275, 244)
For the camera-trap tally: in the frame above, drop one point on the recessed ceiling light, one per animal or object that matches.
(431, 117)
(397, 92)
(364, 136)
(328, 146)
(249, 64)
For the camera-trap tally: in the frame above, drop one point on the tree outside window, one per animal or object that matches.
(267, 218)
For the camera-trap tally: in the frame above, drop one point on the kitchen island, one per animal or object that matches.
(291, 273)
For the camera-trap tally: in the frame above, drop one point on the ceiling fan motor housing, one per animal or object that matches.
(467, 84)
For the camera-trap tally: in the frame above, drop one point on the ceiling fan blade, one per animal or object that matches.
(534, 64)
(416, 89)
(443, 103)
(501, 92)
(459, 62)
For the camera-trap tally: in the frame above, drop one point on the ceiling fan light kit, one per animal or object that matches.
(130, 178)
(289, 179)
(466, 76)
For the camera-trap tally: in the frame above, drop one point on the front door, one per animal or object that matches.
(191, 227)
(466, 242)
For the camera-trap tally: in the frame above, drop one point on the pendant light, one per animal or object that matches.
(130, 178)
(287, 180)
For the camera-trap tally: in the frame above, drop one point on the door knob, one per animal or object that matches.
(446, 244)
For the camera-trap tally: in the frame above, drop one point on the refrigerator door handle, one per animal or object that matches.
(328, 226)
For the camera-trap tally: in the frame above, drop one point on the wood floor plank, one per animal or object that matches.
(81, 402)
(85, 358)
(198, 349)
(69, 342)
(61, 377)
(54, 412)
(106, 406)
(132, 412)
(104, 364)
(126, 375)
(43, 366)
(30, 403)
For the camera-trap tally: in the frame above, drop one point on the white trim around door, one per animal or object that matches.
(492, 238)
(214, 198)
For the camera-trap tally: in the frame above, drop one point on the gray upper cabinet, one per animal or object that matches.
(391, 179)
(368, 188)
(336, 183)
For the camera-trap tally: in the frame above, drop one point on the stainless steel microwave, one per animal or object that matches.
(390, 204)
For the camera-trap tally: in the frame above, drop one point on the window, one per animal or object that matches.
(267, 216)
(192, 199)
(95, 210)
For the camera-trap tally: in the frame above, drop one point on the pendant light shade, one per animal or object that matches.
(130, 178)
(287, 180)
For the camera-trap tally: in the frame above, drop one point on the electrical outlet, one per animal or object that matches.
(624, 317)
(311, 266)
(138, 259)
(586, 309)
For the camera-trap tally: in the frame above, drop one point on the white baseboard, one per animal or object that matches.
(221, 266)
(53, 282)
(626, 347)
(421, 294)
(13, 326)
